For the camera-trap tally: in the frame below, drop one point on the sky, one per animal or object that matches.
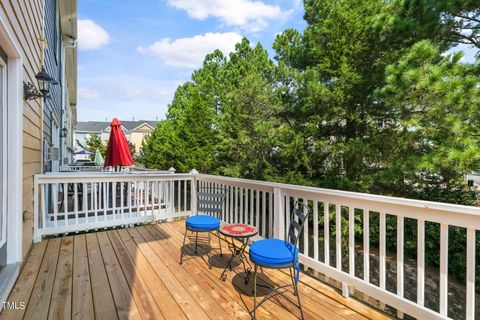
(133, 54)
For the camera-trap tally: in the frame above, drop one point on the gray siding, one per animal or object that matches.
(53, 55)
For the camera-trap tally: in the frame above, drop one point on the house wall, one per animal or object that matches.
(25, 19)
(52, 111)
(138, 136)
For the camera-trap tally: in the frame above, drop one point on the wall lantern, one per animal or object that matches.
(64, 132)
(44, 83)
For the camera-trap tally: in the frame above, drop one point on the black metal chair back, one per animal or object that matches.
(297, 221)
(211, 200)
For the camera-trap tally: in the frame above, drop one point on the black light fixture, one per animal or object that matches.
(44, 82)
(64, 132)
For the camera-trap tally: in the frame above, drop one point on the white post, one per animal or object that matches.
(193, 192)
(279, 214)
(36, 203)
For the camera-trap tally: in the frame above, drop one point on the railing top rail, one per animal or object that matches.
(71, 177)
(440, 206)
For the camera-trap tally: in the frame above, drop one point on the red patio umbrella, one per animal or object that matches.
(118, 151)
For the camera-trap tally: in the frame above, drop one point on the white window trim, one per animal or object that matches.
(14, 141)
(4, 152)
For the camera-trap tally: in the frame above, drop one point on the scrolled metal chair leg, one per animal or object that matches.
(254, 293)
(196, 242)
(297, 293)
(208, 250)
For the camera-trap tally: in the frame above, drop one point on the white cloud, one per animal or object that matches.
(88, 93)
(190, 52)
(247, 14)
(90, 35)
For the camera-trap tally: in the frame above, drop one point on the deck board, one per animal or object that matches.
(134, 274)
(104, 306)
(61, 301)
(38, 305)
(82, 301)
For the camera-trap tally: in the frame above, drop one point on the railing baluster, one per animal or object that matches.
(257, 210)
(366, 245)
(172, 195)
(443, 269)
(287, 213)
(235, 218)
(84, 198)
(270, 215)
(95, 200)
(231, 204)
(247, 213)
(44, 201)
(400, 260)
(351, 240)
(421, 262)
(75, 201)
(470, 303)
(382, 249)
(147, 193)
(185, 196)
(338, 236)
(326, 232)
(315, 230)
(129, 195)
(251, 207)
(106, 187)
(121, 199)
(65, 203)
(241, 204)
(159, 197)
(305, 232)
(92, 205)
(105, 190)
(264, 214)
(179, 196)
(114, 198)
(135, 195)
(55, 204)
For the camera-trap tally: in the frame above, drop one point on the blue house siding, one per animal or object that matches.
(52, 111)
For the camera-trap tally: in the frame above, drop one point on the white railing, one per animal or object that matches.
(71, 202)
(75, 168)
(267, 206)
(106, 200)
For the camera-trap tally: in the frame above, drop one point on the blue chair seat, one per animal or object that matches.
(203, 223)
(273, 253)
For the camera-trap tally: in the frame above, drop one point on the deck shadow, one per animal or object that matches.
(218, 261)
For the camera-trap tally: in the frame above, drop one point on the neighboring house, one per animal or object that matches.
(32, 33)
(135, 131)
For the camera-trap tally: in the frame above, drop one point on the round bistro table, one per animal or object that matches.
(238, 236)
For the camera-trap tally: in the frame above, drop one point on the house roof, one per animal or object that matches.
(98, 126)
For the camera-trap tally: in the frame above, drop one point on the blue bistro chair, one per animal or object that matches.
(280, 254)
(210, 202)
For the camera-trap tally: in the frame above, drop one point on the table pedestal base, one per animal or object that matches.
(240, 253)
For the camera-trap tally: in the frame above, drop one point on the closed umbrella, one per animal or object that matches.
(118, 150)
(98, 158)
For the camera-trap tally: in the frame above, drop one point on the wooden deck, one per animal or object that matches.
(134, 274)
